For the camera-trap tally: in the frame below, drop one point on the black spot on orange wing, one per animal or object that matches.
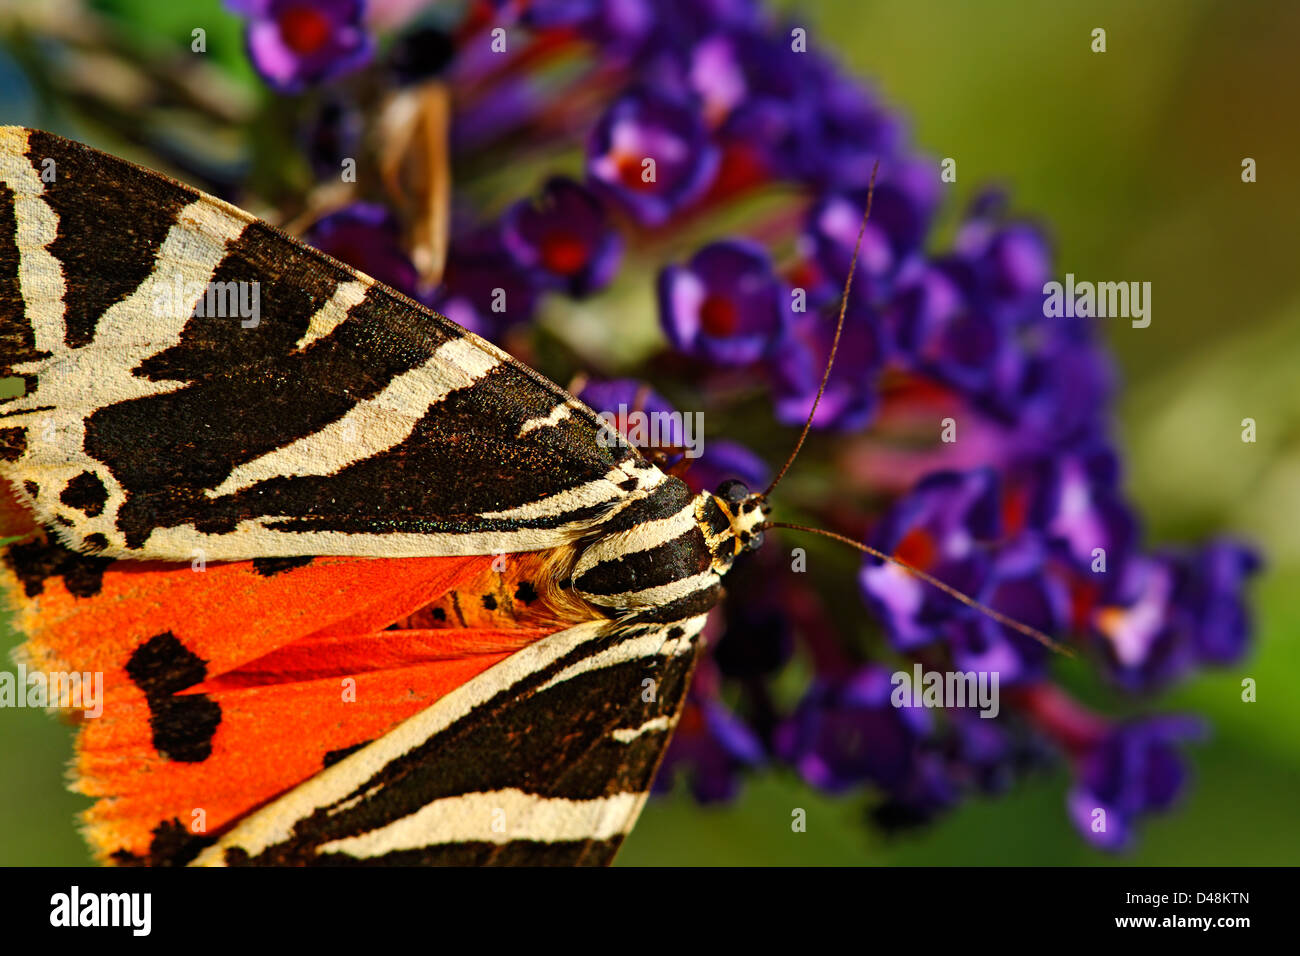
(183, 727)
(489, 602)
(34, 562)
(526, 593)
(455, 606)
(172, 845)
(268, 567)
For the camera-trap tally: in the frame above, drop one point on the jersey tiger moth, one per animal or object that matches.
(363, 588)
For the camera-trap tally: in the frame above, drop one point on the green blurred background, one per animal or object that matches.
(1132, 159)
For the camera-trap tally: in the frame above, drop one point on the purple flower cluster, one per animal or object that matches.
(683, 109)
(297, 43)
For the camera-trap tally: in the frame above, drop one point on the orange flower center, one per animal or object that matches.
(718, 316)
(629, 172)
(303, 29)
(563, 253)
(918, 549)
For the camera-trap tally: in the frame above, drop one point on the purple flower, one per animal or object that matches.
(1143, 633)
(509, 105)
(652, 155)
(905, 199)
(613, 394)
(974, 320)
(852, 393)
(564, 240)
(1210, 589)
(1019, 262)
(726, 305)
(793, 110)
(640, 414)
(1018, 586)
(1077, 501)
(748, 84)
(1012, 261)
(711, 746)
(720, 73)
(294, 44)
(845, 732)
(1168, 613)
(942, 527)
(982, 751)
(620, 29)
(723, 460)
(658, 34)
(944, 330)
(841, 131)
(928, 790)
(1133, 770)
(366, 236)
(1048, 377)
(1065, 388)
(547, 14)
(484, 290)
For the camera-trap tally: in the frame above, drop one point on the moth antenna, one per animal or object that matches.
(835, 342)
(947, 589)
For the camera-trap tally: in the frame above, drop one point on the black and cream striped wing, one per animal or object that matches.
(546, 759)
(339, 419)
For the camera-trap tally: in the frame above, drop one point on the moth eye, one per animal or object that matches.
(733, 491)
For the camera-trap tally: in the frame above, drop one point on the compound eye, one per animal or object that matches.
(733, 491)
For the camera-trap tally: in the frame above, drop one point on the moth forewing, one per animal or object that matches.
(273, 462)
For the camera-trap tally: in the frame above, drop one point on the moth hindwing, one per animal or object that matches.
(360, 587)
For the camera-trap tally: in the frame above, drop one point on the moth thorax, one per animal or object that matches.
(652, 555)
(732, 520)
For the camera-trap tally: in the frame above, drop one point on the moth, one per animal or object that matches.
(363, 589)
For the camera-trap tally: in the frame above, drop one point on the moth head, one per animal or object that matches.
(747, 511)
